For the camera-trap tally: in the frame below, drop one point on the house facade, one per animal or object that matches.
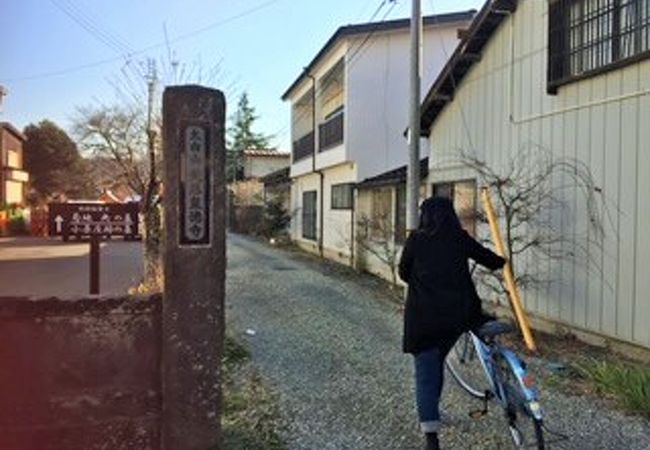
(348, 110)
(571, 80)
(256, 164)
(13, 179)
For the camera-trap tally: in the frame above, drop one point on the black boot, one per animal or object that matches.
(432, 441)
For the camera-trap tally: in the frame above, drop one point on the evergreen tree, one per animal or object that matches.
(54, 163)
(242, 137)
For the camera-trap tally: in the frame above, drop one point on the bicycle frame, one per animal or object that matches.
(487, 353)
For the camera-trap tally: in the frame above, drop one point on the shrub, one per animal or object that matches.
(17, 225)
(276, 217)
(629, 384)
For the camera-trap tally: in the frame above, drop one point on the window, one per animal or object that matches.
(342, 196)
(309, 215)
(381, 223)
(590, 36)
(463, 195)
(13, 159)
(331, 88)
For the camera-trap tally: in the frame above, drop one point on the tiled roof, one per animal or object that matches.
(278, 177)
(13, 130)
(376, 27)
(266, 152)
(395, 176)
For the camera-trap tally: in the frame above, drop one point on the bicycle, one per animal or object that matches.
(488, 370)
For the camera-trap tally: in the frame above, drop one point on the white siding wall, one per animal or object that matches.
(502, 106)
(336, 239)
(378, 94)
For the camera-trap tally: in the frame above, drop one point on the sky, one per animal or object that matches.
(57, 56)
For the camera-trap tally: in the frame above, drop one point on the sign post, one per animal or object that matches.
(94, 265)
(194, 266)
(94, 221)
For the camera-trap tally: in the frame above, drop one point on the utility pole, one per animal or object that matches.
(3, 94)
(413, 174)
(152, 79)
(152, 218)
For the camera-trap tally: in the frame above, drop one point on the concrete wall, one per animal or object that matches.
(80, 374)
(502, 107)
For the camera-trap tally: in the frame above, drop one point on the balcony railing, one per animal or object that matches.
(330, 133)
(303, 147)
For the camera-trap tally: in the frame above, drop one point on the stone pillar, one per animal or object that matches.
(194, 267)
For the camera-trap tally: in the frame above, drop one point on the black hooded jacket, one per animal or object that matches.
(442, 301)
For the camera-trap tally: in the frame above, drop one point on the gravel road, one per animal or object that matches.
(328, 343)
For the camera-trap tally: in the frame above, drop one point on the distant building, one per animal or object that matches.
(277, 185)
(13, 179)
(257, 163)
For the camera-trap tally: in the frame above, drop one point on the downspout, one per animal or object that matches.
(319, 172)
(352, 220)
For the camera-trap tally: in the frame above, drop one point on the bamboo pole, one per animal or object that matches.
(513, 291)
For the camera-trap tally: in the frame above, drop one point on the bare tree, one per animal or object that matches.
(127, 132)
(376, 236)
(532, 192)
(120, 134)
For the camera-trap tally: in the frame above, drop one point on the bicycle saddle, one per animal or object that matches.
(494, 328)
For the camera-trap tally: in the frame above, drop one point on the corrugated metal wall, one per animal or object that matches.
(502, 107)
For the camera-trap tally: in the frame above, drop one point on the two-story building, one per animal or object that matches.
(569, 79)
(349, 110)
(13, 179)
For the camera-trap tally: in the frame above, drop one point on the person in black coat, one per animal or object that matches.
(441, 302)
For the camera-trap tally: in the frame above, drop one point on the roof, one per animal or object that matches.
(394, 176)
(278, 177)
(13, 130)
(467, 53)
(375, 27)
(266, 152)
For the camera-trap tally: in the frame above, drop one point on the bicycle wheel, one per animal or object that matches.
(526, 430)
(466, 367)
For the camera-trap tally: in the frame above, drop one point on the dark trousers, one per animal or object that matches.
(429, 378)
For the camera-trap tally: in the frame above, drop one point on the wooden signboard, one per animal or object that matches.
(85, 220)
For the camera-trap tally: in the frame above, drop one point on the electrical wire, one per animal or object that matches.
(181, 37)
(92, 26)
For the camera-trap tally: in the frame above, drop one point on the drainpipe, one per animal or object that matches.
(321, 195)
(352, 229)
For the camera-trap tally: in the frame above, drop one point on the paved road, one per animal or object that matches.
(41, 267)
(328, 343)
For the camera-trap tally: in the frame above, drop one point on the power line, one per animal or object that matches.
(361, 46)
(91, 25)
(144, 49)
